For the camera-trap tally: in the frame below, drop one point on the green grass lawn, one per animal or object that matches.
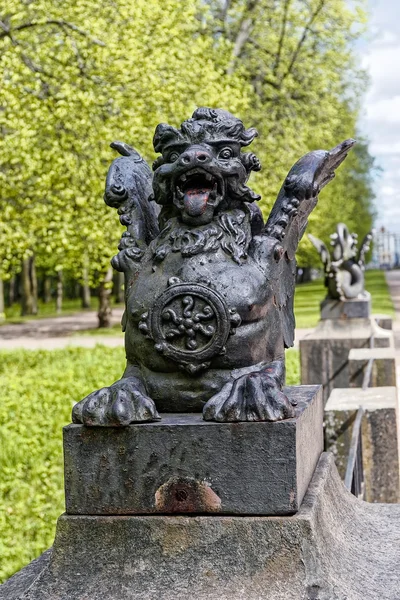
(115, 330)
(309, 295)
(48, 309)
(70, 306)
(39, 389)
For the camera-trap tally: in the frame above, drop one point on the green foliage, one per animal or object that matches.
(77, 75)
(39, 389)
(309, 295)
(292, 367)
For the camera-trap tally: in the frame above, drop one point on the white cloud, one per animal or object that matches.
(382, 149)
(382, 64)
(386, 110)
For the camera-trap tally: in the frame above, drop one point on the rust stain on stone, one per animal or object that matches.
(186, 495)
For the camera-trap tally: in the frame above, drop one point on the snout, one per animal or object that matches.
(195, 157)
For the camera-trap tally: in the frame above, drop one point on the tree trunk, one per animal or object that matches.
(105, 289)
(85, 288)
(244, 32)
(303, 274)
(11, 291)
(27, 298)
(47, 289)
(29, 305)
(59, 296)
(119, 292)
(34, 284)
(2, 313)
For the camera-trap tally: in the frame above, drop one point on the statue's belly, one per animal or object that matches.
(199, 313)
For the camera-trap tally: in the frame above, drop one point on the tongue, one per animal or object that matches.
(195, 201)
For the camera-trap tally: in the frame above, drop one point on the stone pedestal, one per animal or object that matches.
(358, 308)
(183, 464)
(324, 352)
(380, 439)
(334, 548)
(383, 371)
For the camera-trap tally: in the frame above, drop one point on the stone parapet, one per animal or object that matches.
(324, 352)
(380, 437)
(383, 368)
(384, 321)
(334, 548)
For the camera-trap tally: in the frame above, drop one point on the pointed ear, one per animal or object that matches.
(164, 133)
(250, 161)
(157, 163)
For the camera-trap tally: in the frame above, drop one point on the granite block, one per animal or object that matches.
(183, 464)
(335, 548)
(357, 308)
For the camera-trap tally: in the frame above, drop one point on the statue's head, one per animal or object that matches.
(201, 168)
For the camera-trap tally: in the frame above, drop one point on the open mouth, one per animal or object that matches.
(196, 188)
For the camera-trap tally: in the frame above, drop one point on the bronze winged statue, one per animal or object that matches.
(209, 286)
(344, 270)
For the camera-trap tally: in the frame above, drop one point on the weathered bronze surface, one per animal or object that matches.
(209, 286)
(344, 270)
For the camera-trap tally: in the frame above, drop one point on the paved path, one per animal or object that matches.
(53, 333)
(49, 334)
(393, 281)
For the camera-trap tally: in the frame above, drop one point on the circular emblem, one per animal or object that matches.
(190, 324)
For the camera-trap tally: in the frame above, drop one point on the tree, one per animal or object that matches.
(69, 91)
(76, 76)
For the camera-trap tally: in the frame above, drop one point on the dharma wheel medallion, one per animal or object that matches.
(190, 324)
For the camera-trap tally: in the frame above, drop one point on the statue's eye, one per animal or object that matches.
(173, 156)
(226, 153)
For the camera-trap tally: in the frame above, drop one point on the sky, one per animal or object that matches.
(380, 119)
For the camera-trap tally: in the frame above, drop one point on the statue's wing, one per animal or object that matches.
(129, 189)
(322, 251)
(366, 243)
(288, 220)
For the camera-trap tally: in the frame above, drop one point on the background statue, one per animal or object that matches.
(209, 287)
(344, 271)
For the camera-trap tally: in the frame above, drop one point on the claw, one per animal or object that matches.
(119, 405)
(253, 397)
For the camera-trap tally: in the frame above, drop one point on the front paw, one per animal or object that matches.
(122, 403)
(251, 397)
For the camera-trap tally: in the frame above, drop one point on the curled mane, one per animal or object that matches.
(212, 123)
(231, 232)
